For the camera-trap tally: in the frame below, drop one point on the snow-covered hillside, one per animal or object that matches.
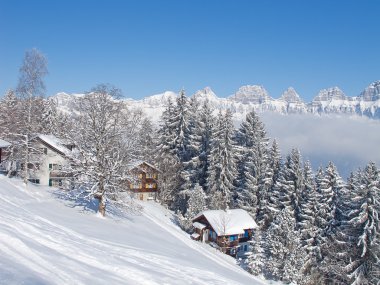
(45, 240)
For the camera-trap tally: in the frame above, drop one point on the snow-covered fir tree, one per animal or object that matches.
(201, 143)
(222, 170)
(270, 206)
(146, 140)
(166, 159)
(281, 245)
(195, 204)
(363, 228)
(256, 259)
(253, 165)
(287, 190)
(330, 204)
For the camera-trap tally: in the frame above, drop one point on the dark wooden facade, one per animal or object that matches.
(144, 181)
(227, 243)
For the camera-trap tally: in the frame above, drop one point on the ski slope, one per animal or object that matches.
(45, 240)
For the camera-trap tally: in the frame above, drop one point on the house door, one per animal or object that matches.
(205, 235)
(141, 197)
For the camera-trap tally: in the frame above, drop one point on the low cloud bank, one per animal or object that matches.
(350, 142)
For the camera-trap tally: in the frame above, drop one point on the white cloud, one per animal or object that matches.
(350, 142)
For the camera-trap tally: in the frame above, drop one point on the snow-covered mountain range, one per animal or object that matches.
(253, 97)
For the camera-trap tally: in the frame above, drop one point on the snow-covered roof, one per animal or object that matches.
(56, 143)
(195, 235)
(199, 225)
(4, 143)
(137, 163)
(230, 222)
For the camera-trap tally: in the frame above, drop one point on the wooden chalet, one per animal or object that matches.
(143, 181)
(230, 230)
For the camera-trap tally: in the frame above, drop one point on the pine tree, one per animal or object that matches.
(222, 170)
(255, 261)
(271, 205)
(175, 146)
(201, 140)
(364, 227)
(282, 243)
(195, 204)
(330, 215)
(179, 122)
(287, 190)
(307, 225)
(253, 165)
(146, 141)
(166, 158)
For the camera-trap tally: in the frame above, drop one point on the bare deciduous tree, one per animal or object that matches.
(98, 132)
(26, 119)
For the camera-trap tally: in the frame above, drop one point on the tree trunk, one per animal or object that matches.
(26, 160)
(102, 205)
(100, 196)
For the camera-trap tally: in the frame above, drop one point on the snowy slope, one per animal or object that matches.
(44, 240)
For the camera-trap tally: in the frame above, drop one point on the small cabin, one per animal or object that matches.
(230, 230)
(144, 180)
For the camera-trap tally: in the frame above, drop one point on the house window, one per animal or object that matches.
(246, 234)
(151, 185)
(35, 181)
(245, 247)
(135, 185)
(53, 166)
(57, 182)
(45, 150)
(232, 238)
(212, 235)
(151, 175)
(140, 175)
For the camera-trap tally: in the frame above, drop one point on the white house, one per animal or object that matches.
(230, 230)
(53, 169)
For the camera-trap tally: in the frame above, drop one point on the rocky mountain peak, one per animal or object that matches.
(290, 95)
(205, 94)
(160, 99)
(251, 94)
(372, 92)
(329, 94)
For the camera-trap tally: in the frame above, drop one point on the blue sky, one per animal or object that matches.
(147, 47)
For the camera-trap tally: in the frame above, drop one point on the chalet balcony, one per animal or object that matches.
(60, 173)
(244, 239)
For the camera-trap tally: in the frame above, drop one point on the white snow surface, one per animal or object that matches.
(4, 144)
(230, 222)
(46, 240)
